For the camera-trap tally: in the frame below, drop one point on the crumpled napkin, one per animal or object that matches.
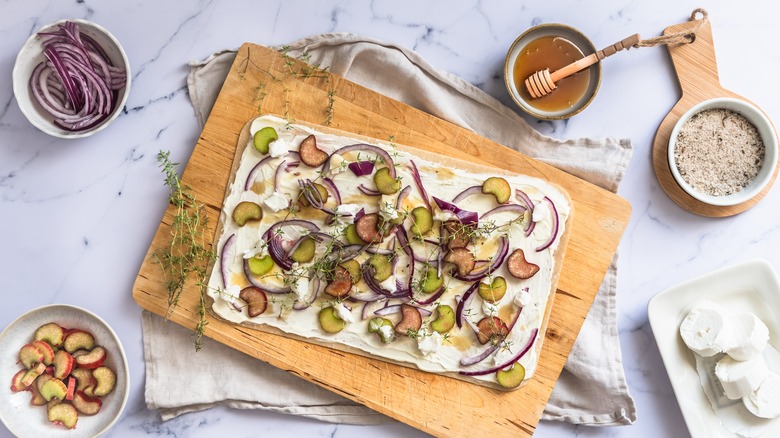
(592, 388)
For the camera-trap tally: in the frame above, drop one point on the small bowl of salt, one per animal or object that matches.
(723, 151)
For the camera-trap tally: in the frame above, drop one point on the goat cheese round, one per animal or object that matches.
(705, 331)
(740, 378)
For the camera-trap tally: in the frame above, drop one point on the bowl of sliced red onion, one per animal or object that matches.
(71, 78)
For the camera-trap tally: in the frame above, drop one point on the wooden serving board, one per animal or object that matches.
(260, 81)
(697, 73)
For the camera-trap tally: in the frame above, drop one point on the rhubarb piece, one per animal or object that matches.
(83, 378)
(51, 333)
(382, 265)
(255, 299)
(353, 267)
(91, 360)
(85, 404)
(330, 321)
(463, 260)
(263, 138)
(320, 189)
(432, 281)
(43, 378)
(367, 229)
(64, 414)
(422, 221)
(106, 381)
(260, 265)
(519, 267)
(78, 340)
(305, 251)
(385, 183)
(511, 378)
(375, 325)
(36, 399)
(30, 356)
(493, 329)
(63, 364)
(32, 374)
(445, 319)
(71, 388)
(16, 381)
(455, 234)
(352, 236)
(411, 320)
(54, 388)
(247, 211)
(493, 292)
(46, 350)
(497, 187)
(311, 155)
(341, 284)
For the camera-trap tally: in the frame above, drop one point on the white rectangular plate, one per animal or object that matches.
(747, 287)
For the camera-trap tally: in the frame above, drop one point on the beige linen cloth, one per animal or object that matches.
(592, 388)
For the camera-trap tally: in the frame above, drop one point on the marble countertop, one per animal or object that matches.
(76, 217)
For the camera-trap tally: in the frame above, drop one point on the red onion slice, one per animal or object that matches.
(368, 191)
(365, 148)
(401, 196)
(464, 216)
(361, 168)
(514, 358)
(467, 361)
(515, 208)
(224, 264)
(265, 287)
(278, 175)
(554, 232)
(473, 190)
(369, 307)
(526, 200)
(250, 179)
(330, 186)
(396, 308)
(314, 290)
(418, 182)
(464, 303)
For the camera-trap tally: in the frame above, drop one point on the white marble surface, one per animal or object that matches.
(76, 217)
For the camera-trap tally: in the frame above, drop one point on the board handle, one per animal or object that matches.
(694, 63)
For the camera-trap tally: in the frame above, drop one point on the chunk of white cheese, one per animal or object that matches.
(260, 248)
(277, 148)
(764, 402)
(345, 213)
(301, 287)
(706, 331)
(389, 284)
(428, 342)
(444, 215)
(749, 337)
(740, 378)
(522, 298)
(386, 334)
(337, 164)
(489, 308)
(344, 313)
(277, 202)
(387, 209)
(541, 212)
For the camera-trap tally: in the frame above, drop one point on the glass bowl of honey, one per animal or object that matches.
(551, 46)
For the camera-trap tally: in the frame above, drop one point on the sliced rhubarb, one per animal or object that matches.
(32, 374)
(51, 333)
(341, 284)
(330, 321)
(71, 388)
(78, 340)
(411, 320)
(493, 292)
(63, 364)
(93, 359)
(85, 404)
(64, 414)
(491, 329)
(385, 183)
(46, 350)
(256, 301)
(310, 154)
(245, 212)
(463, 260)
(54, 388)
(16, 381)
(367, 228)
(519, 267)
(497, 187)
(30, 356)
(106, 381)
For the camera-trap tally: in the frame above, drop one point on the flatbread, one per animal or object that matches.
(443, 177)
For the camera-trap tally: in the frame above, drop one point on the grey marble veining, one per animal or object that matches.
(76, 217)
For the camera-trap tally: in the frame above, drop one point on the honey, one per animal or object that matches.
(551, 53)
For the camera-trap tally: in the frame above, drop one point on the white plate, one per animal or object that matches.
(747, 287)
(25, 420)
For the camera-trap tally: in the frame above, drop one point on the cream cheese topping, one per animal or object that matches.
(344, 313)
(444, 353)
(277, 148)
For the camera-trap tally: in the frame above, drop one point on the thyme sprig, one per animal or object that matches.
(189, 253)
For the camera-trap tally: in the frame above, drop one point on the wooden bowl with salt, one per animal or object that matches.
(697, 73)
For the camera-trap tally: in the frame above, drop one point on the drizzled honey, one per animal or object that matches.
(551, 53)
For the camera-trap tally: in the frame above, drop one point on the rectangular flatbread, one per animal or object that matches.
(389, 252)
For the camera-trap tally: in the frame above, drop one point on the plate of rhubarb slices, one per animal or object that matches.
(65, 372)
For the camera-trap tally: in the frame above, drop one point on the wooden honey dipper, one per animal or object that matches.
(543, 82)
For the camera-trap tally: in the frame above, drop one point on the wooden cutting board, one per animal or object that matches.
(264, 81)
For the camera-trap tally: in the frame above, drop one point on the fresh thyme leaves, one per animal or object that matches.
(189, 253)
(329, 108)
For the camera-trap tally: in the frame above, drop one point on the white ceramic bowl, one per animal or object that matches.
(25, 420)
(547, 30)
(765, 130)
(31, 55)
